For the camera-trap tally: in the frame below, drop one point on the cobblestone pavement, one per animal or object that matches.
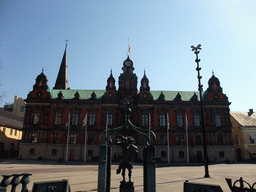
(84, 176)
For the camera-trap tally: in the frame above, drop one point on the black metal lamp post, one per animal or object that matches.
(200, 89)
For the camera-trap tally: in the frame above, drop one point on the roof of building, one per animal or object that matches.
(10, 120)
(86, 94)
(244, 119)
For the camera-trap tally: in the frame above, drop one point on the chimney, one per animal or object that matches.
(250, 112)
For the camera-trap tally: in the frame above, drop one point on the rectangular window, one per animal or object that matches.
(196, 120)
(22, 108)
(74, 120)
(73, 138)
(181, 154)
(34, 137)
(217, 121)
(252, 137)
(10, 131)
(57, 119)
(198, 140)
(92, 119)
(36, 117)
(4, 129)
(15, 133)
(220, 140)
(43, 137)
(110, 119)
(162, 120)
(54, 152)
(163, 154)
(221, 154)
(32, 152)
(55, 138)
(144, 120)
(179, 120)
(251, 140)
(180, 140)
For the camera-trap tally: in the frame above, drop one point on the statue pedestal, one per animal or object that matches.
(126, 187)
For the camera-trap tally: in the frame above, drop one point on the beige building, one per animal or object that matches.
(244, 134)
(10, 134)
(17, 107)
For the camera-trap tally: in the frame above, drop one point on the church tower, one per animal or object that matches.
(62, 79)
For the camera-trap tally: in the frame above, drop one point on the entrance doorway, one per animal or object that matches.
(72, 154)
(239, 155)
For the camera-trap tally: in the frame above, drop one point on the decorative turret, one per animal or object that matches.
(144, 83)
(41, 81)
(40, 88)
(110, 88)
(214, 91)
(127, 81)
(145, 89)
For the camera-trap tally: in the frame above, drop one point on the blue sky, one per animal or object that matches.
(33, 34)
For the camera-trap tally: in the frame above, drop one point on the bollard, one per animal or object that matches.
(15, 181)
(24, 181)
(6, 181)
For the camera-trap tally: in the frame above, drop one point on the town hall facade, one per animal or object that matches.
(54, 115)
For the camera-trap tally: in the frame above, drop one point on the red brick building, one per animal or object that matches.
(47, 111)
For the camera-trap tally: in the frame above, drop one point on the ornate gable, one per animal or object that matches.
(40, 88)
(214, 91)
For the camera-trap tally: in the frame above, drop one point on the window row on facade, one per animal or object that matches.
(145, 119)
(174, 139)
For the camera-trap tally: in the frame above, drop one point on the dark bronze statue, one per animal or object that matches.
(129, 150)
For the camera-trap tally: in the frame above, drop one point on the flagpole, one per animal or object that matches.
(85, 143)
(67, 124)
(107, 129)
(85, 136)
(149, 127)
(168, 144)
(187, 137)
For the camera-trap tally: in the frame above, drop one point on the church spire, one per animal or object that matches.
(62, 79)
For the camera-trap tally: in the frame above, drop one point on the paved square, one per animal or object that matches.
(84, 176)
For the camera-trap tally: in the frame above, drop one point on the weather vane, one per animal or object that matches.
(129, 48)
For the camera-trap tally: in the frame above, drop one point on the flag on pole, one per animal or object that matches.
(85, 119)
(129, 48)
(168, 124)
(68, 120)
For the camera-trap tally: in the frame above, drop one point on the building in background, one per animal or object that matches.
(10, 134)
(244, 134)
(17, 107)
(48, 111)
